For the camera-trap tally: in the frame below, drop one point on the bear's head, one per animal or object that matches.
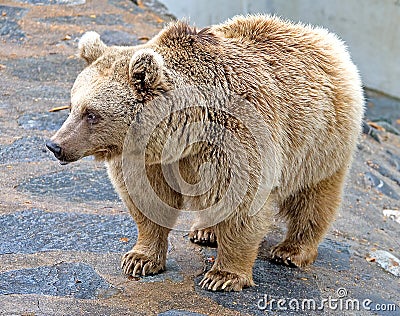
(105, 98)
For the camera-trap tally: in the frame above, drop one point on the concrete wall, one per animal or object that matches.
(371, 28)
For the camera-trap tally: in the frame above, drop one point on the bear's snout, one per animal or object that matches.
(54, 148)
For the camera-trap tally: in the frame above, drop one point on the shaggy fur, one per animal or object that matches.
(300, 78)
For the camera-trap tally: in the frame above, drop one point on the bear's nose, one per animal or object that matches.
(54, 148)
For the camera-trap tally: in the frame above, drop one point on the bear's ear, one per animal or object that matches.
(145, 70)
(91, 47)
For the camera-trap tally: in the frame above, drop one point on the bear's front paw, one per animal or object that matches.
(138, 264)
(204, 237)
(294, 255)
(218, 280)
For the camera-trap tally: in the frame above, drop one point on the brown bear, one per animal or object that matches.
(299, 79)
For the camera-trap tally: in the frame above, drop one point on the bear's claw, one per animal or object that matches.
(217, 280)
(203, 237)
(292, 255)
(137, 264)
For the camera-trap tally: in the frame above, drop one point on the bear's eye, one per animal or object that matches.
(92, 118)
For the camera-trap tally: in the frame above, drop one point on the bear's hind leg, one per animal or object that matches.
(203, 237)
(309, 214)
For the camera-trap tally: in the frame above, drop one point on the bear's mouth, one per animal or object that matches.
(65, 160)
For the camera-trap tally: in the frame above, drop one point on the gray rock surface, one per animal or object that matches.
(9, 27)
(65, 279)
(33, 231)
(72, 185)
(28, 149)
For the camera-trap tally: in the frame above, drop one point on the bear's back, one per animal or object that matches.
(301, 78)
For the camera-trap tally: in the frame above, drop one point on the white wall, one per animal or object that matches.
(371, 28)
